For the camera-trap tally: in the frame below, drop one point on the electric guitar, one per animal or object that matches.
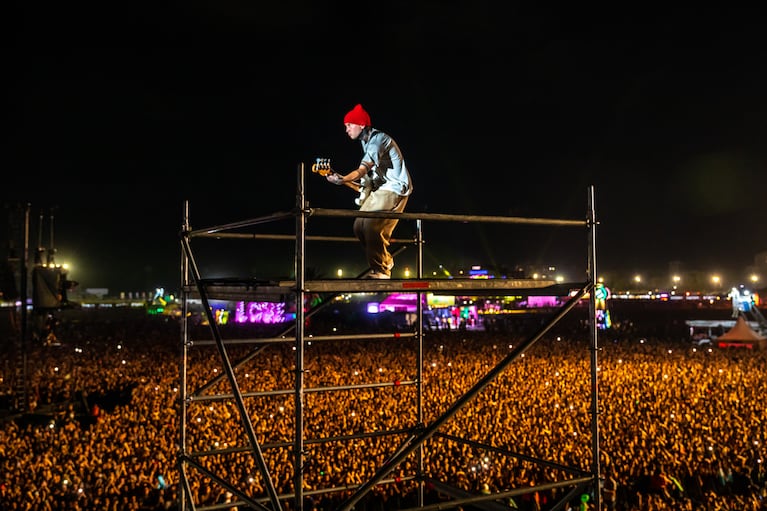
(323, 168)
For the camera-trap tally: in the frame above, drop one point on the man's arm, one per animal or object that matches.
(350, 178)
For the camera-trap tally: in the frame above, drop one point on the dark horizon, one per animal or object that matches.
(119, 117)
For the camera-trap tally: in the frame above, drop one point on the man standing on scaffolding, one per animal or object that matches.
(386, 186)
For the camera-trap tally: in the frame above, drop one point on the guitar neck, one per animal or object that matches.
(323, 168)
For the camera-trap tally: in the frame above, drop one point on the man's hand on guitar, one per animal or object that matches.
(334, 178)
(323, 168)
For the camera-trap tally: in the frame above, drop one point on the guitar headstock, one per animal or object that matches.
(322, 166)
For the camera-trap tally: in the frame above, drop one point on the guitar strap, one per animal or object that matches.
(376, 178)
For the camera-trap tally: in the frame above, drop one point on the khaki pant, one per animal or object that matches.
(375, 233)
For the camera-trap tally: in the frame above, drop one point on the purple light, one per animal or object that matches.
(542, 301)
(260, 312)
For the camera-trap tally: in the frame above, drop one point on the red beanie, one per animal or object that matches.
(357, 115)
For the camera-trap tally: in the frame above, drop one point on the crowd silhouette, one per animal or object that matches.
(681, 427)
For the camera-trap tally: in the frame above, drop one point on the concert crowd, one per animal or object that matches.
(681, 426)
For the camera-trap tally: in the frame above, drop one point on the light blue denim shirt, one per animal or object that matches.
(383, 155)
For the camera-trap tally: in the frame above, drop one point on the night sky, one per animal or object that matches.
(120, 114)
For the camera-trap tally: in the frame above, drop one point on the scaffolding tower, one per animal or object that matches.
(240, 393)
(13, 289)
